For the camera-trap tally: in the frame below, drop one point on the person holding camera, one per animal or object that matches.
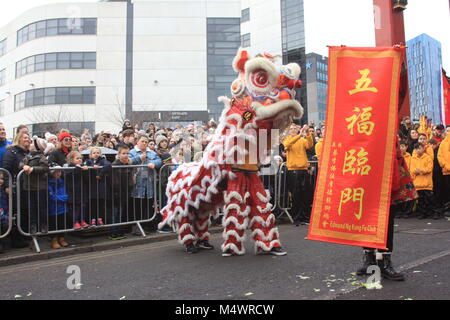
(295, 145)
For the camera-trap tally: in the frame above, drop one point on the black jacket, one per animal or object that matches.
(122, 180)
(58, 156)
(11, 161)
(99, 188)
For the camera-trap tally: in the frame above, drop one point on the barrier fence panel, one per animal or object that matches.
(69, 199)
(269, 179)
(284, 195)
(6, 203)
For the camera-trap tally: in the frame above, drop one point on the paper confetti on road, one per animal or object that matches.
(122, 298)
(302, 277)
(248, 294)
(316, 290)
(17, 296)
(372, 285)
(29, 294)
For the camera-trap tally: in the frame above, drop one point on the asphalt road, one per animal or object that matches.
(311, 270)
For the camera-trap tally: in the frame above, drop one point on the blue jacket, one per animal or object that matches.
(144, 176)
(3, 145)
(57, 197)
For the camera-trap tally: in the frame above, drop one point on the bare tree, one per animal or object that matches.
(49, 121)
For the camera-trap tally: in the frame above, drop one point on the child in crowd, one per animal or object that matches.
(57, 208)
(423, 140)
(421, 169)
(122, 180)
(406, 154)
(34, 195)
(99, 186)
(77, 189)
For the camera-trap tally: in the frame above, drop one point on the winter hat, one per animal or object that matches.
(39, 144)
(160, 138)
(64, 135)
(50, 148)
(50, 136)
(159, 132)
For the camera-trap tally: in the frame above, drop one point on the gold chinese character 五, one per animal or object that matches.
(361, 119)
(363, 84)
(355, 195)
(356, 163)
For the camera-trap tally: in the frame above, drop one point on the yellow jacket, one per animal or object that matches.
(428, 150)
(444, 155)
(295, 148)
(423, 181)
(407, 157)
(318, 148)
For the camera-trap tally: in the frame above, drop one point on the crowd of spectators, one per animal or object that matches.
(86, 196)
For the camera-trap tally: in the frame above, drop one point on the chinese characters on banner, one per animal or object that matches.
(352, 196)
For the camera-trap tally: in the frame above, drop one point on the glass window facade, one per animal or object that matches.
(2, 47)
(54, 27)
(221, 51)
(424, 57)
(245, 40)
(2, 77)
(75, 128)
(57, 95)
(245, 15)
(60, 60)
(293, 44)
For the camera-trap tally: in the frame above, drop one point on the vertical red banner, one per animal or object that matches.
(446, 100)
(352, 196)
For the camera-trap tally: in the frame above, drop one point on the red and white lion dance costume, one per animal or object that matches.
(263, 98)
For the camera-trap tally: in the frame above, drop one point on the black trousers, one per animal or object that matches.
(390, 231)
(297, 184)
(439, 188)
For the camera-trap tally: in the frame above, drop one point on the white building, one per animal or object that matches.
(94, 64)
(276, 27)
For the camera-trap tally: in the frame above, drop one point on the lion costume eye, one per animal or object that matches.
(259, 78)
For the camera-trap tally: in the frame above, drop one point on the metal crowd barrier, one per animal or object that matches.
(42, 211)
(283, 194)
(6, 204)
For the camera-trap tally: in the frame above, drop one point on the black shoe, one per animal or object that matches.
(190, 248)
(116, 236)
(387, 270)
(204, 244)
(166, 229)
(228, 253)
(436, 216)
(368, 260)
(278, 251)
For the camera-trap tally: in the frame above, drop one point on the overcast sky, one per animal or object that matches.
(330, 22)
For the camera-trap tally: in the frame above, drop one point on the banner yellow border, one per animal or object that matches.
(381, 235)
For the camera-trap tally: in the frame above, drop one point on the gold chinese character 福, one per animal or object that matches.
(361, 119)
(363, 83)
(356, 195)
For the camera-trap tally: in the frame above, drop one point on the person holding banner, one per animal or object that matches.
(295, 145)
